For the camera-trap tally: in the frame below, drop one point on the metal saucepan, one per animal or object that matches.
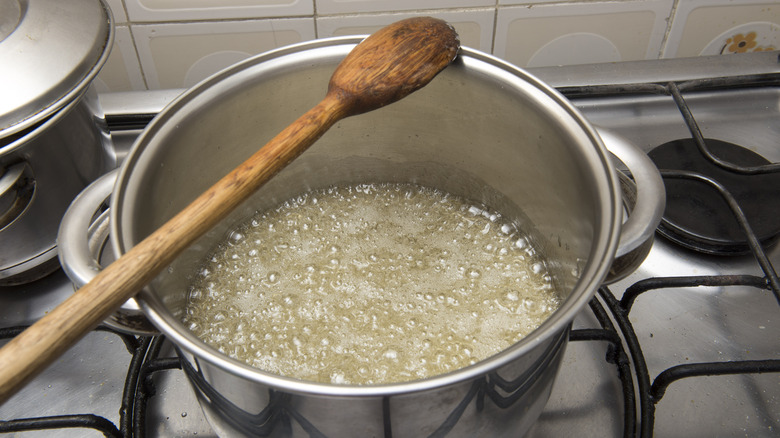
(482, 129)
(53, 139)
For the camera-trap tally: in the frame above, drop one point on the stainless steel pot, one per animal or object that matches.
(53, 139)
(482, 129)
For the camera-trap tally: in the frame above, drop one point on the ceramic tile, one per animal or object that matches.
(118, 10)
(170, 10)
(474, 27)
(581, 33)
(359, 6)
(121, 72)
(182, 54)
(528, 2)
(711, 27)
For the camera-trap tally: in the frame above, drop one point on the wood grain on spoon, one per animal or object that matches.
(385, 67)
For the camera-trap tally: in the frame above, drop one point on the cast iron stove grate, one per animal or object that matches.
(752, 218)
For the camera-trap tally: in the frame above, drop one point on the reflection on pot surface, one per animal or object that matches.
(504, 400)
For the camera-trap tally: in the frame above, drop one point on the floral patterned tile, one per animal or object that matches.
(712, 27)
(749, 37)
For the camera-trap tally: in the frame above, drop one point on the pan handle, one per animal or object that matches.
(82, 240)
(644, 199)
(16, 192)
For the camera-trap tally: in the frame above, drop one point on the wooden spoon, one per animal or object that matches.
(384, 68)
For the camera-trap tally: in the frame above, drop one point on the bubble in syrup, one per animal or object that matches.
(371, 267)
(338, 378)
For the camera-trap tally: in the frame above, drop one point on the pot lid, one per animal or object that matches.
(51, 51)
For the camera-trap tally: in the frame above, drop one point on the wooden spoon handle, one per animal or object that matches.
(34, 349)
(388, 65)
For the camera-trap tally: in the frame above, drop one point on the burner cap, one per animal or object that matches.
(698, 217)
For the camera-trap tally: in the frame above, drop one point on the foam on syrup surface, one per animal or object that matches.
(369, 284)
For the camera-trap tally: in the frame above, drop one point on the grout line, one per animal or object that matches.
(669, 22)
(315, 15)
(495, 28)
(137, 56)
(135, 47)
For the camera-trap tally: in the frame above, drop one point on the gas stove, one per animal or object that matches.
(685, 346)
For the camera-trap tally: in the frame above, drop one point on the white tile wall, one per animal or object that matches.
(179, 55)
(567, 34)
(710, 27)
(118, 10)
(359, 6)
(175, 43)
(176, 10)
(121, 72)
(474, 26)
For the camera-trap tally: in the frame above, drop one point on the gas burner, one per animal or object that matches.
(697, 217)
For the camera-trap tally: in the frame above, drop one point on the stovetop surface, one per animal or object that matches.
(675, 326)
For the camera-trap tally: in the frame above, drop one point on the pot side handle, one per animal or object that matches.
(16, 192)
(82, 237)
(644, 198)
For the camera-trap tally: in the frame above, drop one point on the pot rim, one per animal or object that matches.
(591, 276)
